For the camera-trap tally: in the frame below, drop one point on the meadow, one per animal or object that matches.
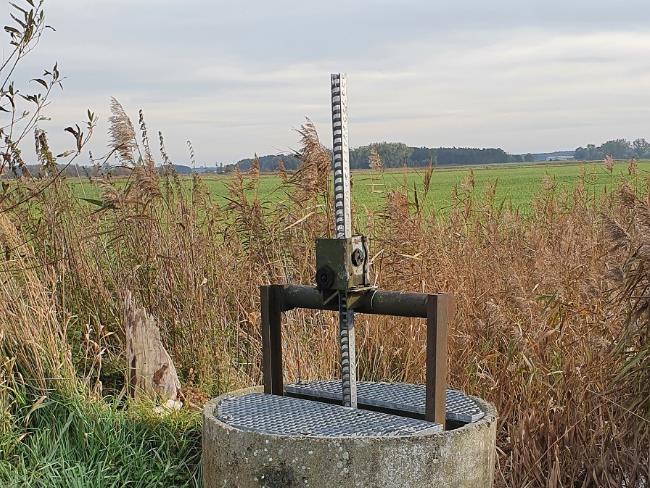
(514, 185)
(547, 265)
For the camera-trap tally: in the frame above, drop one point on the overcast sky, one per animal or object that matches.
(237, 77)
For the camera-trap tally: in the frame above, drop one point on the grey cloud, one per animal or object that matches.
(236, 77)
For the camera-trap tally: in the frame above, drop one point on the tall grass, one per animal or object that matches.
(542, 328)
(70, 442)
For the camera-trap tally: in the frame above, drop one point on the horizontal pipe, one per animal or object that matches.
(378, 302)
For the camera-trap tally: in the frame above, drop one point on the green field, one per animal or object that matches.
(516, 184)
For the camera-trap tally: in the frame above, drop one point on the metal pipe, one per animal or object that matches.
(378, 302)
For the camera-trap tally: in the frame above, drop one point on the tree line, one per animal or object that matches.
(616, 148)
(397, 154)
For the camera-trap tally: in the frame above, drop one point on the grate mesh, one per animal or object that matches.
(287, 416)
(392, 396)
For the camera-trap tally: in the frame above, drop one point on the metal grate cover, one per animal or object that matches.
(393, 396)
(287, 416)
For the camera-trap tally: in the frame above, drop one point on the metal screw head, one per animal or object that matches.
(324, 278)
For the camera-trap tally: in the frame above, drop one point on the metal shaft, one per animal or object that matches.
(341, 155)
(343, 225)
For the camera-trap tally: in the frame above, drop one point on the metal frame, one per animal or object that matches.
(435, 308)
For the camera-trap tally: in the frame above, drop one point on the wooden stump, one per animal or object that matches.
(150, 370)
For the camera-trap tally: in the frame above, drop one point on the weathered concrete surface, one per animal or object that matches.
(461, 458)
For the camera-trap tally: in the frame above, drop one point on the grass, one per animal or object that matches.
(550, 324)
(516, 185)
(73, 442)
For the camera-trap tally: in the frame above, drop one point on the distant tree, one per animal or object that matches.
(529, 158)
(580, 154)
(589, 153)
(467, 155)
(641, 148)
(392, 154)
(420, 156)
(594, 152)
(268, 163)
(359, 157)
(617, 149)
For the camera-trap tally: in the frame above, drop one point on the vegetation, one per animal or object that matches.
(74, 442)
(515, 186)
(399, 155)
(551, 322)
(55, 430)
(545, 328)
(617, 149)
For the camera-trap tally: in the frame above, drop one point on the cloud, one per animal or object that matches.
(236, 78)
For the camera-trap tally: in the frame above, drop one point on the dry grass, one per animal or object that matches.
(541, 330)
(33, 335)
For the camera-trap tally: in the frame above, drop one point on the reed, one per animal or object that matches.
(551, 322)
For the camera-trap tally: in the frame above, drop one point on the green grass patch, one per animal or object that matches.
(75, 442)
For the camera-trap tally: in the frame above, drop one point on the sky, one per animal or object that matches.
(238, 77)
